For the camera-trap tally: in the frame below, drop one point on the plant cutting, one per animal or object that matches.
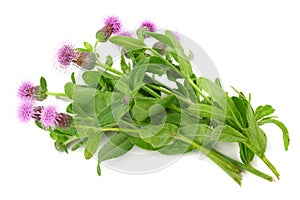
(149, 98)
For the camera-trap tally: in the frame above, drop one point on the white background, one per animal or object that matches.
(254, 44)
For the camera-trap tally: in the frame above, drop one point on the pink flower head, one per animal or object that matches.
(25, 111)
(26, 91)
(149, 25)
(65, 55)
(48, 116)
(114, 23)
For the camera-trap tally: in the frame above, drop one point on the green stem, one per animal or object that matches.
(83, 119)
(197, 89)
(96, 44)
(265, 160)
(56, 94)
(270, 165)
(248, 168)
(227, 166)
(188, 78)
(73, 139)
(109, 68)
(175, 108)
(108, 129)
(160, 89)
(161, 57)
(150, 91)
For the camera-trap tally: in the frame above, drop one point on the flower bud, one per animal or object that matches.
(37, 112)
(112, 25)
(63, 120)
(86, 60)
(40, 94)
(27, 91)
(160, 48)
(104, 34)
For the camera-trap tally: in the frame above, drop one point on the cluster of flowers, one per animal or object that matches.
(46, 115)
(65, 56)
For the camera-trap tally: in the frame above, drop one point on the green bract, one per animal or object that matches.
(134, 107)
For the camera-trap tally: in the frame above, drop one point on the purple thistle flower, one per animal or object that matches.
(114, 23)
(25, 111)
(149, 25)
(65, 55)
(48, 116)
(26, 91)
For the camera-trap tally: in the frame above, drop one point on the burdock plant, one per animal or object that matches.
(132, 106)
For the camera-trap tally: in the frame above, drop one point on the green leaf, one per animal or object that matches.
(214, 90)
(73, 78)
(39, 124)
(98, 169)
(92, 144)
(203, 134)
(167, 101)
(190, 56)
(233, 115)
(156, 65)
(184, 119)
(218, 82)
(103, 107)
(124, 66)
(109, 61)
(136, 77)
(116, 146)
(69, 87)
(192, 95)
(178, 53)
(142, 144)
(246, 154)
(241, 106)
(174, 42)
(228, 134)
(173, 75)
(88, 46)
(128, 43)
(84, 100)
(43, 84)
(206, 111)
(263, 111)
(162, 38)
(70, 109)
(58, 136)
(122, 85)
(257, 138)
(286, 138)
(141, 107)
(141, 33)
(178, 147)
(200, 133)
(91, 78)
(79, 144)
(182, 90)
(164, 137)
(82, 50)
